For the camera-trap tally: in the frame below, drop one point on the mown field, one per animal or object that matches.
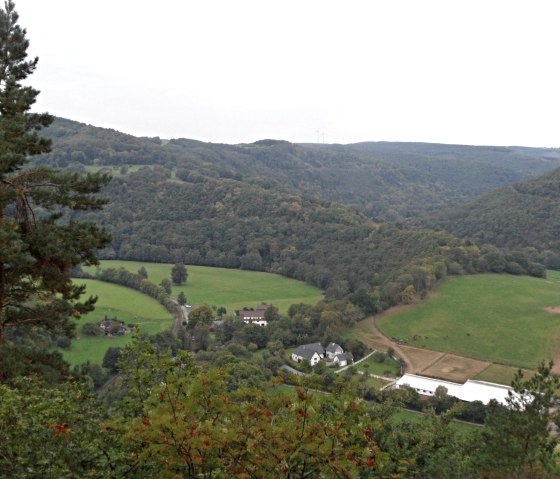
(127, 305)
(231, 288)
(389, 367)
(500, 318)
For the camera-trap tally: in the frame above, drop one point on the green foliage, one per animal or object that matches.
(516, 439)
(389, 181)
(52, 432)
(521, 216)
(38, 248)
(201, 316)
(179, 273)
(16, 361)
(142, 272)
(92, 329)
(111, 359)
(181, 298)
(166, 285)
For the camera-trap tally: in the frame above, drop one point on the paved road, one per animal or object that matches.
(285, 367)
(357, 362)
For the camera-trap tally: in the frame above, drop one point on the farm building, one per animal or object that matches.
(470, 391)
(257, 316)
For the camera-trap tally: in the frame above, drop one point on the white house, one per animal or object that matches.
(470, 391)
(249, 316)
(343, 359)
(313, 353)
(332, 350)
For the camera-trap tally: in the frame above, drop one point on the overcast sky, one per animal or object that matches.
(470, 72)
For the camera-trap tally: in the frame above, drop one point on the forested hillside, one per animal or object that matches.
(524, 215)
(386, 181)
(218, 205)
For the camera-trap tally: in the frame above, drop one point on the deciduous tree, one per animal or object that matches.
(179, 273)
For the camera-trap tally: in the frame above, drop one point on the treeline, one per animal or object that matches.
(173, 418)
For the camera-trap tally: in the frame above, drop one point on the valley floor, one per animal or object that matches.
(451, 367)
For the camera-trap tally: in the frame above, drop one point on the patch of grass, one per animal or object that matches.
(387, 368)
(500, 318)
(231, 288)
(420, 418)
(127, 305)
(280, 390)
(498, 373)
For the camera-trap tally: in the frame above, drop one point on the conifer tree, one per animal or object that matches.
(40, 239)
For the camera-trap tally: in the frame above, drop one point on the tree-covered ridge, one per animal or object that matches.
(389, 181)
(522, 215)
(253, 225)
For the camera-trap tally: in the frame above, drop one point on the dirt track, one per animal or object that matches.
(421, 361)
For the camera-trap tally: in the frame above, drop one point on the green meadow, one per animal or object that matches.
(231, 288)
(499, 318)
(389, 367)
(127, 305)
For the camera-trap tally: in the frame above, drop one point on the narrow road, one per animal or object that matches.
(354, 364)
(179, 316)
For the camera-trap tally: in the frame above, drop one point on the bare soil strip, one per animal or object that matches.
(447, 366)
(455, 368)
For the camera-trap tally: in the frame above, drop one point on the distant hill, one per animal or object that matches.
(239, 207)
(525, 214)
(386, 181)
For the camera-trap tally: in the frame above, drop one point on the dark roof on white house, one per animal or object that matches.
(331, 348)
(304, 353)
(313, 348)
(345, 357)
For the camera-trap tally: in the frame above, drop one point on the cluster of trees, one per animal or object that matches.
(175, 419)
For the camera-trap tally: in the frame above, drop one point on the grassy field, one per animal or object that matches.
(498, 373)
(420, 418)
(389, 367)
(231, 288)
(127, 305)
(500, 318)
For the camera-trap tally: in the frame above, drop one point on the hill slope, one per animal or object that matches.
(522, 215)
(199, 205)
(387, 181)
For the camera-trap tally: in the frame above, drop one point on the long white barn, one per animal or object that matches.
(470, 391)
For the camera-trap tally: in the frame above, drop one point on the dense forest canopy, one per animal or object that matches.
(386, 181)
(522, 215)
